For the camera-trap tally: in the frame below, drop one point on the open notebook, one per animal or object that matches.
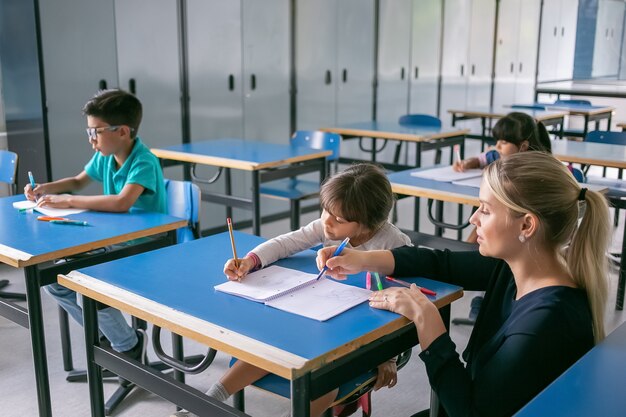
(46, 211)
(447, 174)
(297, 292)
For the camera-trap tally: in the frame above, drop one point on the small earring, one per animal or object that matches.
(522, 238)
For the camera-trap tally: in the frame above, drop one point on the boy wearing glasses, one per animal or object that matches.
(131, 176)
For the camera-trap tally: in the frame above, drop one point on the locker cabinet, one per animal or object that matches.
(558, 40)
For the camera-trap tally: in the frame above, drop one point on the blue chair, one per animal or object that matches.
(349, 392)
(417, 121)
(573, 102)
(295, 189)
(529, 106)
(8, 170)
(606, 137)
(183, 200)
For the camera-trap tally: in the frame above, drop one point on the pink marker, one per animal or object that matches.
(368, 280)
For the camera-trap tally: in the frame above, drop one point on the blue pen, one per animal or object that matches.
(337, 252)
(32, 182)
(70, 222)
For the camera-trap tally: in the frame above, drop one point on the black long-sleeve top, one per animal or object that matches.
(517, 347)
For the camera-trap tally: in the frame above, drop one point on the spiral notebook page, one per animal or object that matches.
(266, 283)
(321, 300)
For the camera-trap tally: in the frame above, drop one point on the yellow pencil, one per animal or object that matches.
(232, 240)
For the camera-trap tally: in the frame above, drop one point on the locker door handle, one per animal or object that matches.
(611, 32)
(562, 31)
(102, 84)
(512, 67)
(253, 82)
(417, 73)
(402, 73)
(344, 75)
(555, 29)
(132, 86)
(328, 78)
(606, 33)
(231, 82)
(462, 70)
(473, 69)
(520, 67)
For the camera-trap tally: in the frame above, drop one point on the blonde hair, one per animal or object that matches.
(573, 222)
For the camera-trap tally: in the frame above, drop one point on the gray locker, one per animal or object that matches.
(608, 40)
(558, 40)
(516, 52)
(394, 59)
(334, 62)
(469, 28)
(149, 66)
(78, 45)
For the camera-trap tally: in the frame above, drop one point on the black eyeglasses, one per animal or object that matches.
(92, 132)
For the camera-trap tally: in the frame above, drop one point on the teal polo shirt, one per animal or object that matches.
(141, 167)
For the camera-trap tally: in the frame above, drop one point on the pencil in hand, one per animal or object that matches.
(232, 241)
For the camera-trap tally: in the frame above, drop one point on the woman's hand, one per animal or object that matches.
(55, 200)
(412, 304)
(349, 261)
(387, 375)
(235, 271)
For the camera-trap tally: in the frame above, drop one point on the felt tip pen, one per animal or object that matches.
(337, 252)
(407, 284)
(70, 222)
(457, 152)
(379, 284)
(31, 179)
(368, 281)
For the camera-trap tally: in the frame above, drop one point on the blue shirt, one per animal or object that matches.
(141, 167)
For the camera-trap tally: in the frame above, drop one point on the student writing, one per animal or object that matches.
(545, 279)
(131, 176)
(356, 203)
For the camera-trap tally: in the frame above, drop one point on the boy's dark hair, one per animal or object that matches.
(360, 193)
(116, 107)
(518, 127)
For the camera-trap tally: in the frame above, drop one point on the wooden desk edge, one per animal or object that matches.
(394, 135)
(233, 163)
(434, 194)
(20, 259)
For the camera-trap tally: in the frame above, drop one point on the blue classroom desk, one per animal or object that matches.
(425, 138)
(593, 386)
(173, 288)
(264, 161)
(28, 243)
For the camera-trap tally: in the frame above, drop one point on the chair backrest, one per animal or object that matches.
(420, 120)
(602, 136)
(577, 173)
(8, 168)
(183, 200)
(316, 139)
(574, 102)
(529, 106)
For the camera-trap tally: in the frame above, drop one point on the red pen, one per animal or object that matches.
(406, 284)
(368, 280)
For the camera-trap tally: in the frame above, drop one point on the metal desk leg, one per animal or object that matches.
(256, 206)
(94, 372)
(37, 340)
(301, 396)
(228, 189)
(619, 302)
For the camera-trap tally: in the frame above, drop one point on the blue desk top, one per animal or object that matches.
(24, 240)
(402, 182)
(593, 386)
(394, 130)
(182, 277)
(602, 154)
(239, 153)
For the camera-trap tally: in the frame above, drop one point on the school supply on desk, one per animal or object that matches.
(408, 285)
(32, 181)
(232, 240)
(457, 152)
(469, 182)
(47, 211)
(297, 292)
(368, 281)
(379, 284)
(446, 174)
(70, 222)
(336, 253)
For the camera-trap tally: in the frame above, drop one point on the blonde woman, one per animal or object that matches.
(542, 264)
